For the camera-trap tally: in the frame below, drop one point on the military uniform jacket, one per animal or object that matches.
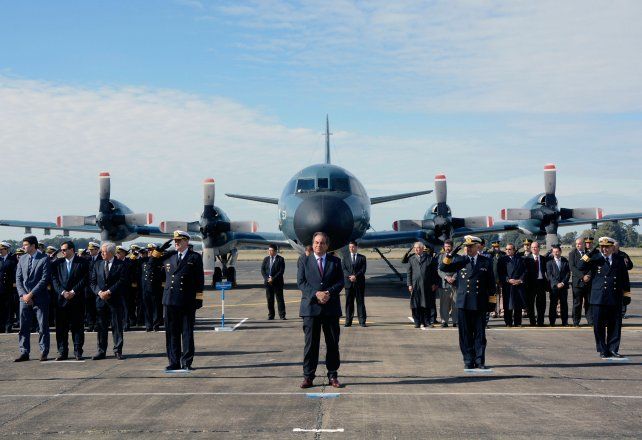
(276, 272)
(574, 258)
(115, 281)
(474, 284)
(8, 276)
(357, 269)
(627, 260)
(512, 269)
(421, 276)
(310, 281)
(183, 282)
(75, 280)
(610, 281)
(151, 274)
(557, 275)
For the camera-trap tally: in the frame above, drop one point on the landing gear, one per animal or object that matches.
(231, 275)
(218, 275)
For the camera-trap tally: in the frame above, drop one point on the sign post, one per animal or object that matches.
(223, 286)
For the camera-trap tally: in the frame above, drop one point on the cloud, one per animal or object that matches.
(444, 56)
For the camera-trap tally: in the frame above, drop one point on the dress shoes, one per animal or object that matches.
(334, 382)
(604, 355)
(62, 357)
(417, 325)
(79, 357)
(307, 383)
(22, 358)
(270, 318)
(283, 318)
(98, 357)
(616, 355)
(469, 366)
(347, 324)
(363, 324)
(172, 368)
(119, 356)
(444, 324)
(189, 368)
(43, 358)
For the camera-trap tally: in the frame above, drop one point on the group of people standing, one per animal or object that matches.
(97, 285)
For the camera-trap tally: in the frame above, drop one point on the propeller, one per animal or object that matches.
(213, 227)
(546, 213)
(112, 215)
(439, 219)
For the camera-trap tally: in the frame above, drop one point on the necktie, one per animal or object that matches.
(271, 264)
(68, 267)
(320, 261)
(354, 258)
(178, 261)
(106, 269)
(29, 265)
(559, 263)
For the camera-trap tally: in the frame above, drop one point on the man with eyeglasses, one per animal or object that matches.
(69, 278)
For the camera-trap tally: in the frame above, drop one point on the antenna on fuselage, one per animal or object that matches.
(327, 140)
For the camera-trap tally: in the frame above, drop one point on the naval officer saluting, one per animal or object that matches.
(183, 294)
(475, 297)
(610, 289)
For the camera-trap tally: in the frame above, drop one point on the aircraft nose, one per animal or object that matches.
(326, 214)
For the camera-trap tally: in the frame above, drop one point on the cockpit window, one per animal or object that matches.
(322, 183)
(340, 184)
(304, 185)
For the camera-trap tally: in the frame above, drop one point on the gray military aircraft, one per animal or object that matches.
(328, 198)
(440, 225)
(540, 216)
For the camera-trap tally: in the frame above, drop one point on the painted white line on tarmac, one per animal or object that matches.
(347, 394)
(69, 361)
(317, 430)
(240, 323)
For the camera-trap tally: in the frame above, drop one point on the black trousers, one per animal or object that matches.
(420, 315)
(561, 296)
(472, 336)
(536, 300)
(312, 333)
(179, 335)
(607, 327)
(70, 317)
(130, 307)
(6, 321)
(90, 310)
(581, 297)
(109, 314)
(152, 308)
(270, 293)
(512, 317)
(356, 292)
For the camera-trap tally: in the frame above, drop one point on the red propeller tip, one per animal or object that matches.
(490, 222)
(59, 221)
(104, 174)
(150, 218)
(161, 226)
(503, 214)
(209, 180)
(208, 272)
(395, 226)
(549, 167)
(440, 177)
(600, 213)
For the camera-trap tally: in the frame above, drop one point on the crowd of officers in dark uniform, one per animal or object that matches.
(100, 287)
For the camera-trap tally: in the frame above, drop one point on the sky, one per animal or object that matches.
(165, 94)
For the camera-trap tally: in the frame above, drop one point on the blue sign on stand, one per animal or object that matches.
(225, 285)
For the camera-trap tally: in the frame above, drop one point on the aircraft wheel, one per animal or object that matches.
(218, 275)
(231, 275)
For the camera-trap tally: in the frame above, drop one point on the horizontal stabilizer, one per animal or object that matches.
(383, 199)
(63, 221)
(516, 214)
(270, 200)
(170, 226)
(581, 213)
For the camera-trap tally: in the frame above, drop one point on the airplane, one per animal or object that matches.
(114, 220)
(440, 225)
(540, 216)
(328, 198)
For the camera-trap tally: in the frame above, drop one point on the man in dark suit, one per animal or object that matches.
(321, 280)
(272, 269)
(580, 282)
(183, 294)
(536, 285)
(610, 290)
(422, 280)
(69, 279)
(558, 273)
(7, 287)
(354, 279)
(475, 297)
(32, 277)
(93, 258)
(108, 282)
(511, 272)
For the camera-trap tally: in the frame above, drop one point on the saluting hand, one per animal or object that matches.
(166, 245)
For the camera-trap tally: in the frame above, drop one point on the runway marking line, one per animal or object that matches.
(68, 361)
(317, 430)
(267, 394)
(322, 395)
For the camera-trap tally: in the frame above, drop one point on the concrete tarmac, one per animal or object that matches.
(400, 382)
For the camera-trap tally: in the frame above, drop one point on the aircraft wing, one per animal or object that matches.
(261, 238)
(391, 238)
(497, 227)
(635, 216)
(383, 199)
(46, 225)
